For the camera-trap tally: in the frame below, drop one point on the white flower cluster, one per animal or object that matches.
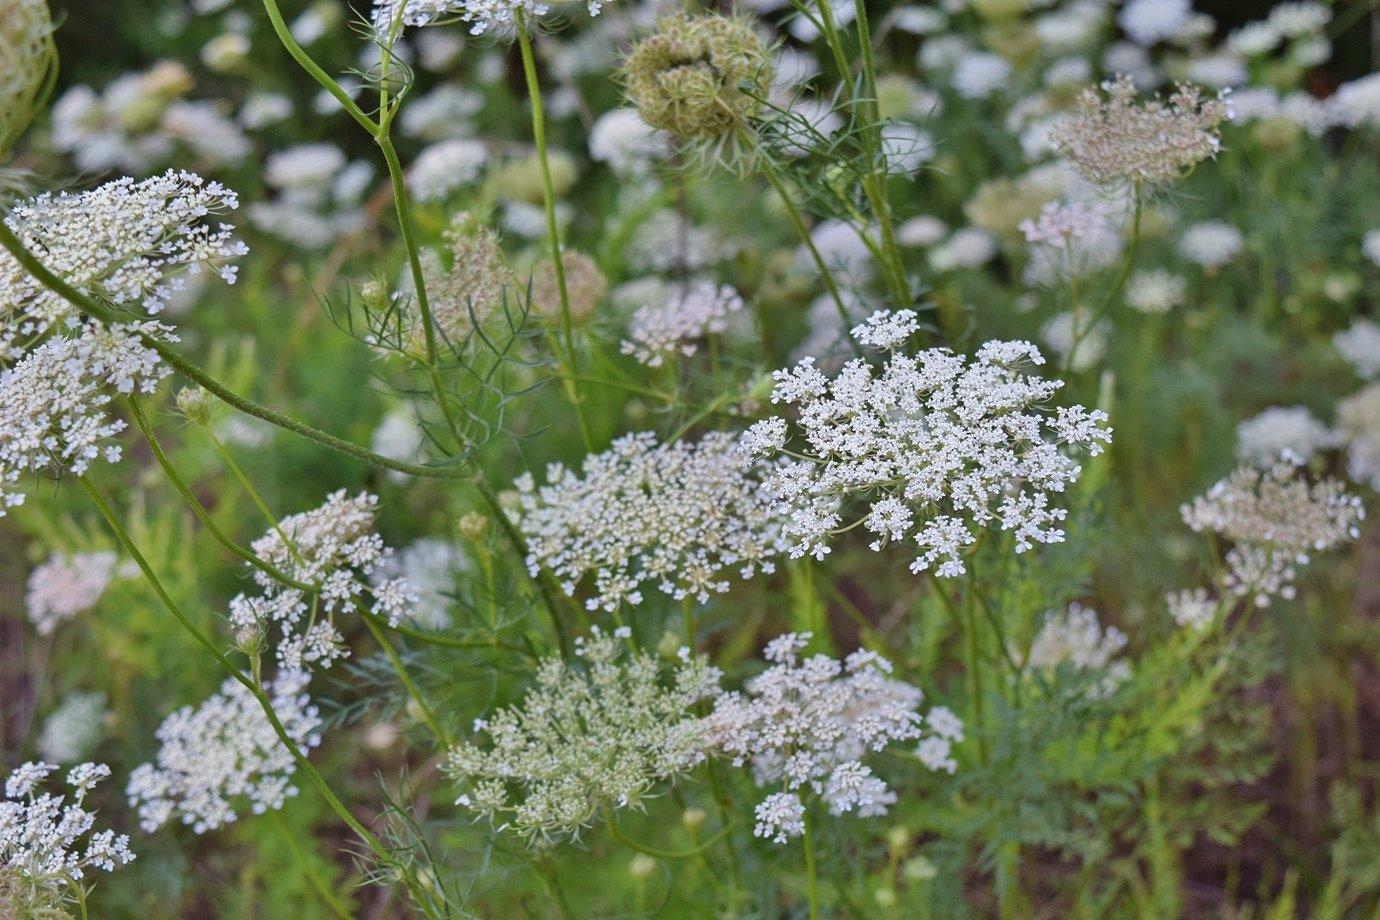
(125, 242)
(1062, 223)
(1191, 609)
(445, 166)
(73, 728)
(334, 549)
(319, 195)
(142, 119)
(483, 15)
(935, 444)
(1113, 138)
(1266, 437)
(65, 587)
(1275, 518)
(53, 418)
(1211, 244)
(674, 515)
(1358, 425)
(1155, 291)
(1359, 346)
(41, 834)
(1075, 638)
(599, 733)
(691, 312)
(431, 567)
(809, 725)
(216, 756)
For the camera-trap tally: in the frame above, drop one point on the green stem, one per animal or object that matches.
(876, 195)
(1115, 290)
(89, 305)
(798, 222)
(403, 211)
(280, 28)
(200, 510)
(811, 873)
(553, 230)
(428, 714)
(545, 587)
(300, 856)
(666, 854)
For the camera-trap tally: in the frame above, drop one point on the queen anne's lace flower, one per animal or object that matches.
(1360, 347)
(1276, 519)
(41, 834)
(691, 312)
(1074, 638)
(934, 444)
(1277, 430)
(594, 735)
(1358, 425)
(65, 587)
(809, 724)
(1191, 609)
(1062, 223)
(1114, 138)
(482, 15)
(674, 515)
(224, 754)
(53, 418)
(125, 242)
(431, 568)
(335, 549)
(74, 728)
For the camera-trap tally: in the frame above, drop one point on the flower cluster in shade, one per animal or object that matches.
(74, 728)
(51, 840)
(679, 516)
(1113, 137)
(690, 312)
(223, 755)
(124, 243)
(1275, 519)
(594, 734)
(335, 550)
(66, 586)
(935, 444)
(53, 403)
(1358, 424)
(1277, 430)
(1074, 638)
(807, 726)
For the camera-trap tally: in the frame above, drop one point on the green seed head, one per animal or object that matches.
(698, 77)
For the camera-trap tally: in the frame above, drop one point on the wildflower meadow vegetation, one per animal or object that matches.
(784, 459)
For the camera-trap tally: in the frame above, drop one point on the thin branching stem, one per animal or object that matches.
(200, 511)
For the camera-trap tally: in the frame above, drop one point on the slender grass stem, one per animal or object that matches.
(811, 872)
(300, 857)
(553, 230)
(428, 714)
(200, 511)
